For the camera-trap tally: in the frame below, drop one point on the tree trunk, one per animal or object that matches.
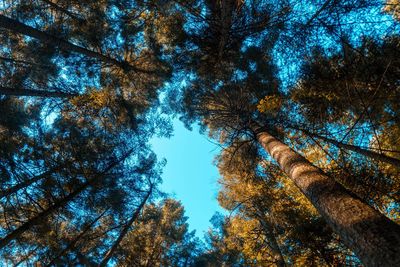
(24, 184)
(72, 244)
(374, 238)
(21, 28)
(269, 231)
(38, 218)
(37, 93)
(124, 231)
(368, 153)
(63, 10)
(59, 203)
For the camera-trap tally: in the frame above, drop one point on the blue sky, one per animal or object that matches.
(190, 175)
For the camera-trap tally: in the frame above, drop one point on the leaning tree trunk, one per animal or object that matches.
(269, 232)
(26, 183)
(39, 217)
(63, 10)
(59, 203)
(21, 28)
(72, 244)
(368, 153)
(124, 231)
(374, 238)
(37, 93)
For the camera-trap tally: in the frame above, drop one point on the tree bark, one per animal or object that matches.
(36, 93)
(374, 238)
(21, 28)
(368, 153)
(124, 231)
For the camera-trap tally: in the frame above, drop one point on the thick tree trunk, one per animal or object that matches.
(368, 153)
(36, 93)
(374, 238)
(125, 230)
(21, 28)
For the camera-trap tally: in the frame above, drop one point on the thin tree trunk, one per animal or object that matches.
(21, 28)
(374, 238)
(71, 245)
(37, 93)
(23, 62)
(368, 153)
(39, 217)
(58, 204)
(24, 184)
(125, 230)
(279, 260)
(63, 10)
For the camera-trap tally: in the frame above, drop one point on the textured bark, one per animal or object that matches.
(36, 93)
(125, 230)
(21, 28)
(374, 238)
(368, 153)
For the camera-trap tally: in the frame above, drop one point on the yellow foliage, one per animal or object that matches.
(393, 7)
(270, 104)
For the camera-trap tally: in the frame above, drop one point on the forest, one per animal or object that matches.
(301, 96)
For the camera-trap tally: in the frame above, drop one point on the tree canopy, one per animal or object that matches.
(301, 96)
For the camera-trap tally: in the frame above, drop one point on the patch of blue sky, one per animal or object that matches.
(190, 175)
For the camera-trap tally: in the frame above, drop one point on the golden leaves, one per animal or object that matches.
(270, 104)
(393, 7)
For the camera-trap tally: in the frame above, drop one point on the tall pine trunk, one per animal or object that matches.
(374, 238)
(268, 228)
(125, 230)
(74, 241)
(21, 28)
(36, 93)
(39, 217)
(24, 184)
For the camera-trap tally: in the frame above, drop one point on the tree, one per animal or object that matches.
(159, 237)
(276, 223)
(228, 110)
(84, 172)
